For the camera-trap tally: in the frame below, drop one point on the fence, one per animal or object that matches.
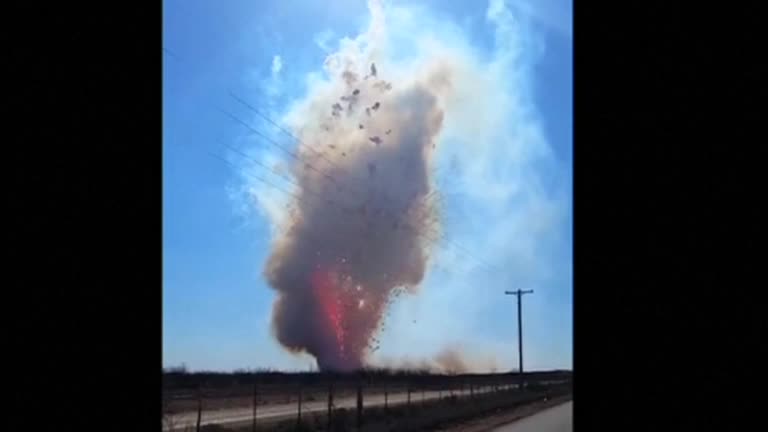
(324, 403)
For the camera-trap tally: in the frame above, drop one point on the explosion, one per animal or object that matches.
(360, 228)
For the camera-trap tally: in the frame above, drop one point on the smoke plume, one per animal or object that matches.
(363, 220)
(450, 360)
(360, 228)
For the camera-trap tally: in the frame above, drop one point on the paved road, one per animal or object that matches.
(272, 412)
(555, 419)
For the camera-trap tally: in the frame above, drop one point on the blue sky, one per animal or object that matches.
(504, 170)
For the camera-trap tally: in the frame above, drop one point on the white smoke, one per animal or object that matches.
(490, 150)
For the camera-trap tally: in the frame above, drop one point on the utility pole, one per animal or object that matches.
(519, 294)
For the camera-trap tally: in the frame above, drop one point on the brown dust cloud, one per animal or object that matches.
(363, 223)
(360, 229)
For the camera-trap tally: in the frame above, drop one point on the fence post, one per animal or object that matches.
(199, 408)
(298, 417)
(330, 404)
(409, 397)
(359, 405)
(255, 403)
(386, 394)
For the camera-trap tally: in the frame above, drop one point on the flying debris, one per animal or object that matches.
(383, 86)
(373, 238)
(337, 108)
(349, 77)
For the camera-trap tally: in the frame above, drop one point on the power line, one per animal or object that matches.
(263, 165)
(265, 117)
(332, 179)
(312, 238)
(307, 165)
(263, 180)
(344, 210)
(275, 143)
(324, 175)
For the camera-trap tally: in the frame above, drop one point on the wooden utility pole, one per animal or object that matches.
(519, 294)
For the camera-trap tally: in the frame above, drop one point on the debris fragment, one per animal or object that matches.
(376, 140)
(388, 131)
(373, 69)
(383, 86)
(359, 126)
(376, 106)
(368, 111)
(356, 92)
(349, 77)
